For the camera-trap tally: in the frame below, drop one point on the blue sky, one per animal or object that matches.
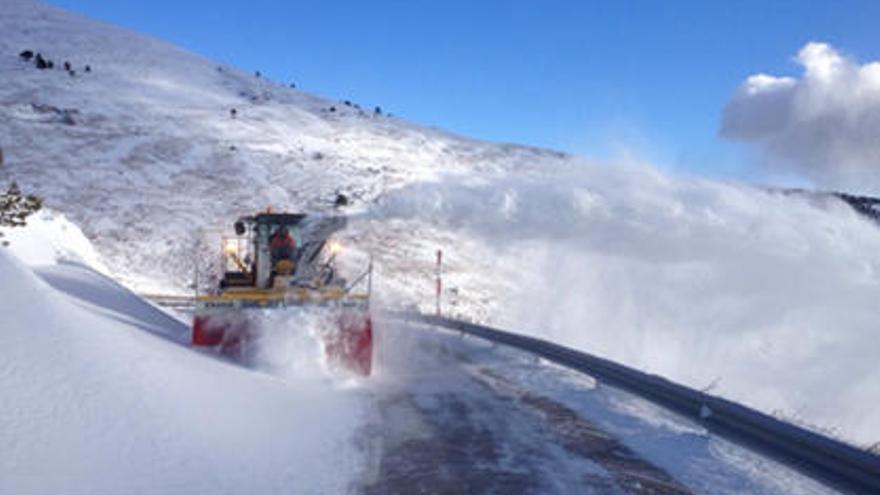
(592, 78)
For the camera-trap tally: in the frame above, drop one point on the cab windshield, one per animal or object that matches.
(284, 241)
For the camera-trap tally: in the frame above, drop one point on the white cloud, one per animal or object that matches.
(825, 124)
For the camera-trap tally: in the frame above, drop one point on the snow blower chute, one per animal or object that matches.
(284, 261)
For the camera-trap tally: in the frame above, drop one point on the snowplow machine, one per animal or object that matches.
(287, 261)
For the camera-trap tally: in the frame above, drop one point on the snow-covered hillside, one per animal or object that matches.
(142, 151)
(769, 296)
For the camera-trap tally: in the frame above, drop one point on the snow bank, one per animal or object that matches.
(94, 405)
(770, 296)
(49, 237)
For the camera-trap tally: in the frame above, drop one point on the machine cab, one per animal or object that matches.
(279, 250)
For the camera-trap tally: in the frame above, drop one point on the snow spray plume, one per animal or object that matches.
(771, 295)
(288, 343)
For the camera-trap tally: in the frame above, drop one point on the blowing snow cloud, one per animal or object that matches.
(825, 124)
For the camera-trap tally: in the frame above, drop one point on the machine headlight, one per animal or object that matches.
(230, 246)
(335, 247)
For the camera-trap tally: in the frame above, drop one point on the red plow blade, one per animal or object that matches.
(349, 346)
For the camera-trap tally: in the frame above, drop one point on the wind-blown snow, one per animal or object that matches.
(768, 294)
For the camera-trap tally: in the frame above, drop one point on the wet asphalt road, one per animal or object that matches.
(446, 424)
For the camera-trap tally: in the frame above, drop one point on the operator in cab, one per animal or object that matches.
(281, 244)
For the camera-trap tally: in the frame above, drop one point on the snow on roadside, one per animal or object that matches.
(92, 404)
(49, 237)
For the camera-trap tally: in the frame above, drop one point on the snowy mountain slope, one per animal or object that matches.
(768, 296)
(146, 148)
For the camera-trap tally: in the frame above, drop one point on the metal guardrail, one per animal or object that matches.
(830, 461)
